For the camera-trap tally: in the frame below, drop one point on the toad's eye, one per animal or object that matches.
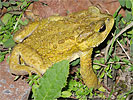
(102, 28)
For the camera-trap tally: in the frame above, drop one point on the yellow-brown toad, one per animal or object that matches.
(42, 43)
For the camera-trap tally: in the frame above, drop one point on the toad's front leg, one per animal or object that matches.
(25, 60)
(87, 73)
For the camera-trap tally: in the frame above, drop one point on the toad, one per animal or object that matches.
(43, 43)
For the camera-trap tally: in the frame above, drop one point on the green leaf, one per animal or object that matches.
(2, 57)
(97, 61)
(131, 68)
(74, 63)
(66, 94)
(12, 1)
(6, 4)
(109, 75)
(102, 75)
(128, 16)
(23, 22)
(71, 84)
(9, 43)
(117, 31)
(52, 82)
(117, 66)
(118, 18)
(116, 12)
(102, 89)
(116, 58)
(126, 61)
(31, 83)
(122, 2)
(107, 68)
(96, 67)
(6, 17)
(0, 4)
(36, 77)
(102, 60)
(3, 53)
(128, 4)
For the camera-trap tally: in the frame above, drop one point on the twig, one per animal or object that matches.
(121, 32)
(100, 64)
(123, 49)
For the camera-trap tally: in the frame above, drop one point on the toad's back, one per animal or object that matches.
(59, 33)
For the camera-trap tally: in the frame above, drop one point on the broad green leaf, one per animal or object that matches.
(72, 84)
(128, 16)
(131, 68)
(25, 22)
(79, 91)
(66, 94)
(117, 31)
(2, 58)
(126, 61)
(74, 63)
(9, 43)
(25, 3)
(102, 60)
(117, 66)
(31, 83)
(0, 4)
(122, 2)
(3, 53)
(128, 4)
(109, 75)
(116, 58)
(91, 89)
(12, 1)
(102, 89)
(102, 75)
(36, 77)
(97, 61)
(6, 4)
(118, 18)
(107, 68)
(52, 82)
(96, 67)
(116, 12)
(6, 17)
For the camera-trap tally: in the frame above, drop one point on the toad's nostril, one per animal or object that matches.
(108, 19)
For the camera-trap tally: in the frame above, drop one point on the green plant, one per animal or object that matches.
(10, 23)
(80, 91)
(50, 85)
(121, 42)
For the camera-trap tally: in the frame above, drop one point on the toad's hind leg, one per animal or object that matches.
(25, 60)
